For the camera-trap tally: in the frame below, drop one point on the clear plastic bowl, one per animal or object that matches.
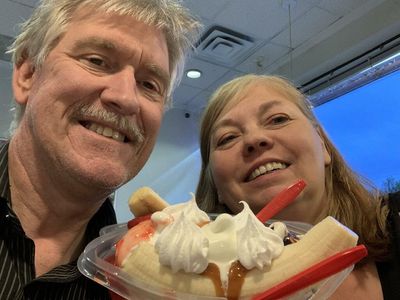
(96, 262)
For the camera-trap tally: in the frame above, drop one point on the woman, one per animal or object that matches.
(258, 135)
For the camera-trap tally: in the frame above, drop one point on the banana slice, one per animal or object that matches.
(145, 201)
(323, 240)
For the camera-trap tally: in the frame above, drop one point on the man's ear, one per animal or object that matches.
(22, 81)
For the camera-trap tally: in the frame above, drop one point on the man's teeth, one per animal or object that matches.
(268, 167)
(106, 131)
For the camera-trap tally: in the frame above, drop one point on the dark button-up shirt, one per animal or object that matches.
(17, 251)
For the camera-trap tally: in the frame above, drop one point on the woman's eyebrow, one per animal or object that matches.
(224, 123)
(262, 110)
(265, 107)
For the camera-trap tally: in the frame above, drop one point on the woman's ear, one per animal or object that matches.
(323, 138)
(327, 155)
(22, 81)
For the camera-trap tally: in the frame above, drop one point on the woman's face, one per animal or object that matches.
(262, 143)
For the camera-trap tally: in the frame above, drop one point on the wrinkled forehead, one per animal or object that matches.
(88, 13)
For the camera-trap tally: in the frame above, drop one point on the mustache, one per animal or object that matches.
(119, 122)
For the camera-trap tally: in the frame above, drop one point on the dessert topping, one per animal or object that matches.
(178, 251)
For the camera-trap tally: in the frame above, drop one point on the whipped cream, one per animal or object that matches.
(257, 245)
(187, 240)
(179, 252)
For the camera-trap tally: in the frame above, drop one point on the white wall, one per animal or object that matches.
(6, 98)
(174, 166)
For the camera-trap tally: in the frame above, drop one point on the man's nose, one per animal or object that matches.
(121, 93)
(256, 142)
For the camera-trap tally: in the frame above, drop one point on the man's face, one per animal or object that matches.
(104, 81)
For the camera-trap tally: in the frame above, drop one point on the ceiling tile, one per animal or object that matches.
(5, 42)
(305, 27)
(228, 76)
(341, 7)
(260, 18)
(30, 3)
(206, 9)
(256, 18)
(184, 94)
(11, 14)
(210, 73)
(199, 102)
(262, 58)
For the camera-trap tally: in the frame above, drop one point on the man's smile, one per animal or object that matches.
(105, 131)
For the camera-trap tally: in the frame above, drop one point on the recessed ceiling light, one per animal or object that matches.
(194, 74)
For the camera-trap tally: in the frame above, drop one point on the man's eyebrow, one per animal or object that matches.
(105, 44)
(160, 73)
(96, 42)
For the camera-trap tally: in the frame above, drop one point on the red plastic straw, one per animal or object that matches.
(280, 201)
(315, 273)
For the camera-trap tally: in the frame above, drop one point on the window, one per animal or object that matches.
(364, 124)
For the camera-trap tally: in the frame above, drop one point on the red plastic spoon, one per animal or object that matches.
(315, 273)
(280, 201)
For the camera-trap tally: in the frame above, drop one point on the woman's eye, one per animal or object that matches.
(226, 139)
(279, 119)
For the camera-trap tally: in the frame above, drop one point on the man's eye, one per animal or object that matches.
(152, 88)
(149, 85)
(97, 61)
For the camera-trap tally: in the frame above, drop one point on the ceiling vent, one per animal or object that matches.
(225, 46)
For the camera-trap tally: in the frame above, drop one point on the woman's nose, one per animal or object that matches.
(121, 93)
(254, 143)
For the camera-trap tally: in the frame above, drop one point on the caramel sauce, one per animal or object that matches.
(212, 272)
(201, 224)
(236, 276)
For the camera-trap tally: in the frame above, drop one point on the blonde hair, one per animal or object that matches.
(41, 32)
(349, 201)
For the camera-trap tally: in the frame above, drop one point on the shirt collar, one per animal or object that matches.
(4, 182)
(103, 217)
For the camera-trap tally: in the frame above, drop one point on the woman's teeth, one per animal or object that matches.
(106, 131)
(268, 167)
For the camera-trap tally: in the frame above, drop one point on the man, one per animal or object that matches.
(91, 81)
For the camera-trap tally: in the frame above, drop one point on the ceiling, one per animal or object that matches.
(308, 41)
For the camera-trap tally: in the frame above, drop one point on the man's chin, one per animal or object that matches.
(102, 180)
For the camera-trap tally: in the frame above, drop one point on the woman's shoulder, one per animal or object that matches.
(395, 195)
(393, 219)
(393, 200)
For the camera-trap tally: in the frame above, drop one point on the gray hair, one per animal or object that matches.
(41, 32)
